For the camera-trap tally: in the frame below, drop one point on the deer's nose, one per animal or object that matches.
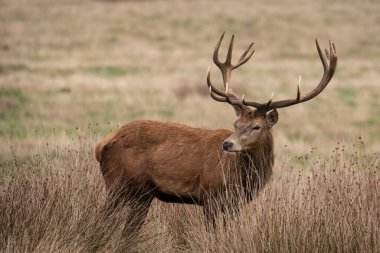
(227, 145)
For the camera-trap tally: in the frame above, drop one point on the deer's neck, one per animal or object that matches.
(257, 163)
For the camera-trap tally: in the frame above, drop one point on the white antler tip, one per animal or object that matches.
(299, 81)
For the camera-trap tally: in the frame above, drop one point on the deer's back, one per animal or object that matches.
(175, 158)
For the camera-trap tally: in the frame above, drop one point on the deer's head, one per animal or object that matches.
(254, 125)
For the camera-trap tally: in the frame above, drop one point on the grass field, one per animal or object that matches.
(72, 71)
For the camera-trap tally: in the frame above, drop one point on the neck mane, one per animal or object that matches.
(257, 163)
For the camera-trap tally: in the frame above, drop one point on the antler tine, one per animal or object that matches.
(270, 100)
(299, 89)
(323, 60)
(261, 106)
(333, 47)
(229, 53)
(243, 59)
(327, 54)
(211, 87)
(252, 103)
(223, 96)
(216, 52)
(226, 69)
(219, 99)
(328, 73)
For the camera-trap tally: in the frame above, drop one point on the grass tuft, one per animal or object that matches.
(55, 201)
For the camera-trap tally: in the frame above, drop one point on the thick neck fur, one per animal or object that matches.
(256, 164)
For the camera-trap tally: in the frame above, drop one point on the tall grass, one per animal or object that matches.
(54, 202)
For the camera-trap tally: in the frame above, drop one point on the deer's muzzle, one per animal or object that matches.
(227, 145)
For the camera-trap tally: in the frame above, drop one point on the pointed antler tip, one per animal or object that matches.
(269, 101)
(299, 88)
(208, 73)
(232, 39)
(271, 98)
(299, 81)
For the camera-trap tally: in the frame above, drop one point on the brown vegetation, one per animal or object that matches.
(53, 202)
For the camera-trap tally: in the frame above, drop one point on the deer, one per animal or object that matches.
(145, 160)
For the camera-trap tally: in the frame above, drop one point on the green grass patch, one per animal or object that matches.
(101, 131)
(13, 93)
(106, 71)
(109, 114)
(57, 72)
(42, 131)
(367, 122)
(112, 71)
(92, 115)
(64, 90)
(297, 137)
(72, 132)
(12, 101)
(18, 67)
(135, 115)
(19, 15)
(348, 96)
(13, 130)
(166, 113)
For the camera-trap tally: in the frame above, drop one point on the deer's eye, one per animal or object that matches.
(257, 127)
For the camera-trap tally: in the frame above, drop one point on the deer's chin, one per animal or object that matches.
(233, 151)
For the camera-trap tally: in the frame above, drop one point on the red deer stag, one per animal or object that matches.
(145, 159)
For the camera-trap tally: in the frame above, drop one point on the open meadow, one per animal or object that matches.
(73, 71)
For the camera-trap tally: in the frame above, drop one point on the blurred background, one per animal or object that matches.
(82, 68)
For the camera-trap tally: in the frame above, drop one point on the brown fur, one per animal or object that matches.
(178, 163)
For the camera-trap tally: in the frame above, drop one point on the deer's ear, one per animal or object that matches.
(272, 117)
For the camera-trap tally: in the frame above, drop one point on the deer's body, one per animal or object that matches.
(144, 160)
(178, 163)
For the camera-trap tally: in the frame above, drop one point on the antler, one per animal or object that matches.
(226, 68)
(329, 70)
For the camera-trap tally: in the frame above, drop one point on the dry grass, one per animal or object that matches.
(53, 202)
(71, 71)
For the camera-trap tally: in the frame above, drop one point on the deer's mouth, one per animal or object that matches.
(233, 152)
